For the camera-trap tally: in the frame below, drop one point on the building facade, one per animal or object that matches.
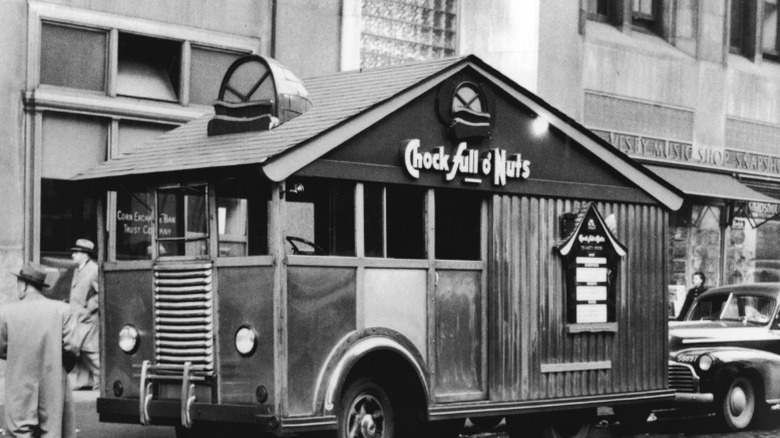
(689, 87)
(84, 82)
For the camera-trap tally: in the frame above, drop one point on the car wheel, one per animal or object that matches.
(738, 404)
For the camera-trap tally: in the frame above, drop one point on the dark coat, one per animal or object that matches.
(693, 293)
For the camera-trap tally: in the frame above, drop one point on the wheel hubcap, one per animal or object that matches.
(738, 401)
(366, 418)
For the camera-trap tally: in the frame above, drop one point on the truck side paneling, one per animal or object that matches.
(527, 305)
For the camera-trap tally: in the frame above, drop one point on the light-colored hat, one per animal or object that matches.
(84, 245)
(34, 274)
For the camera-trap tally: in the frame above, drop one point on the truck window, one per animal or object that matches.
(242, 217)
(320, 217)
(182, 224)
(133, 225)
(458, 225)
(394, 221)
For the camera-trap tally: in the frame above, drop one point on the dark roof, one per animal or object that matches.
(336, 98)
(345, 104)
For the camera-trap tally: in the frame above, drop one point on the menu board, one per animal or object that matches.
(591, 257)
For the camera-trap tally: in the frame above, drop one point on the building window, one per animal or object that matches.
(73, 57)
(399, 31)
(599, 10)
(643, 12)
(133, 223)
(149, 68)
(769, 34)
(204, 81)
(738, 28)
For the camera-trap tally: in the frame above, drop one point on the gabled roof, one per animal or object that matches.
(345, 104)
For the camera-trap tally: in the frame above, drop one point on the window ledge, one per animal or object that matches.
(640, 41)
(592, 328)
(55, 98)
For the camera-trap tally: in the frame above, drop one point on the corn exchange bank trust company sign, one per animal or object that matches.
(681, 152)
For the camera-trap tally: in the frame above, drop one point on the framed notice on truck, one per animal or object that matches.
(591, 256)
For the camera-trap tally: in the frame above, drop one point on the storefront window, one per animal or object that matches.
(752, 253)
(704, 249)
(182, 225)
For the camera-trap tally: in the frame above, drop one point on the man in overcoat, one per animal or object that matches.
(84, 298)
(35, 334)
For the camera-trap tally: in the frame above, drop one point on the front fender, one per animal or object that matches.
(354, 347)
(731, 361)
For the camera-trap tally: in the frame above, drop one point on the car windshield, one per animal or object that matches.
(749, 309)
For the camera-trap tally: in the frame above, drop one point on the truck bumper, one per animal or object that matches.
(168, 412)
(694, 397)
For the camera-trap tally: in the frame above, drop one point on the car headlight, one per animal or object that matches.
(705, 362)
(246, 340)
(128, 339)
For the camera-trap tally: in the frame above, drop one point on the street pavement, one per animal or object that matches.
(665, 426)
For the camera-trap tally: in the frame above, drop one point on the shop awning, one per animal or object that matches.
(710, 185)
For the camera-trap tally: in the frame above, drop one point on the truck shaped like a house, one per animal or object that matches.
(383, 253)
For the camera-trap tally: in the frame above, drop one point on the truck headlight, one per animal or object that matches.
(246, 340)
(128, 339)
(705, 362)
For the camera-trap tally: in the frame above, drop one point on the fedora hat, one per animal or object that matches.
(84, 245)
(32, 273)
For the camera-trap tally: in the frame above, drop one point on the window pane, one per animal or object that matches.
(405, 222)
(394, 32)
(72, 57)
(769, 34)
(72, 143)
(182, 224)
(321, 217)
(753, 254)
(458, 225)
(148, 67)
(644, 7)
(242, 217)
(737, 17)
(208, 67)
(374, 222)
(133, 134)
(133, 225)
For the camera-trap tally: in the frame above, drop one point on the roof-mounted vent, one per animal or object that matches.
(257, 94)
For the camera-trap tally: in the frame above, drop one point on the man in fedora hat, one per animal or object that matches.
(84, 298)
(35, 335)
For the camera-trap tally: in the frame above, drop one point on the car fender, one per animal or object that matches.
(730, 361)
(351, 349)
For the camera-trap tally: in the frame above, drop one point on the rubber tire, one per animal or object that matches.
(486, 423)
(578, 425)
(365, 396)
(737, 404)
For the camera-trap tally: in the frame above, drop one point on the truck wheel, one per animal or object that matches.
(738, 404)
(366, 410)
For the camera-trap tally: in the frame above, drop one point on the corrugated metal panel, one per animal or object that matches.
(527, 296)
(335, 98)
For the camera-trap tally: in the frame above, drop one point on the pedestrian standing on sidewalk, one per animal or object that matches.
(84, 299)
(36, 335)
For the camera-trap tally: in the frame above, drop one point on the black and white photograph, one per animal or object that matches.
(389, 218)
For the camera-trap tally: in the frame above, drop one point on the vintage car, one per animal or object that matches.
(725, 354)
